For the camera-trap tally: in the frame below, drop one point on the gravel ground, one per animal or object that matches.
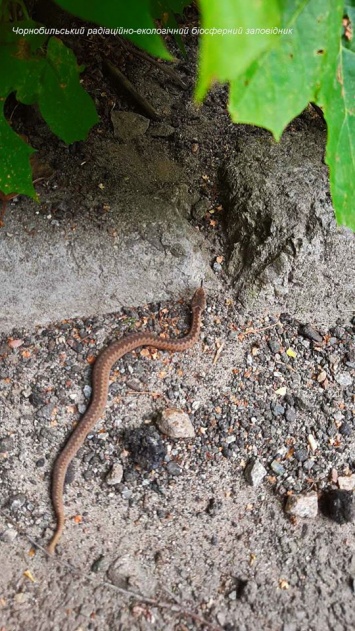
(183, 527)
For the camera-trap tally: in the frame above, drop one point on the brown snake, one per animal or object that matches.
(100, 386)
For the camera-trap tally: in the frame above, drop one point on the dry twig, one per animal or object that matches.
(119, 82)
(154, 62)
(218, 352)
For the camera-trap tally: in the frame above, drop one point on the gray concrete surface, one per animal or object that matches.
(286, 251)
(50, 270)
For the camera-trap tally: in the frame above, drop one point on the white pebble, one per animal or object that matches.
(175, 423)
(115, 474)
(347, 482)
(312, 442)
(255, 472)
(344, 379)
(305, 505)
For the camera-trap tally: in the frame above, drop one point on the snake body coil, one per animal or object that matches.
(100, 386)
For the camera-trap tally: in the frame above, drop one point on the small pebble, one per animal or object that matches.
(322, 376)
(217, 267)
(128, 125)
(277, 467)
(306, 330)
(126, 494)
(278, 410)
(343, 379)
(15, 343)
(16, 502)
(162, 130)
(200, 208)
(254, 473)
(347, 482)
(301, 455)
(46, 411)
(290, 414)
(305, 505)
(221, 618)
(274, 346)
(87, 390)
(115, 475)
(345, 429)
(9, 535)
(175, 423)
(333, 477)
(227, 452)
(97, 564)
(312, 442)
(173, 468)
(332, 341)
(302, 403)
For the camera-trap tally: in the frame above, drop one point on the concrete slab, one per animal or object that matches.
(146, 253)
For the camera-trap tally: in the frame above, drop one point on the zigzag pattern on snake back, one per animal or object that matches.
(100, 386)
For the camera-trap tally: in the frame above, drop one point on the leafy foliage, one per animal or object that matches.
(15, 171)
(45, 73)
(224, 56)
(41, 70)
(276, 55)
(62, 100)
(308, 61)
(279, 85)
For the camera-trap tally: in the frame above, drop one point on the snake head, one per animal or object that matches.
(199, 299)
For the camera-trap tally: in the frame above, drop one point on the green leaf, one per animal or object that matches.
(307, 65)
(15, 169)
(279, 85)
(224, 56)
(338, 95)
(17, 31)
(50, 79)
(125, 15)
(20, 74)
(337, 98)
(62, 100)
